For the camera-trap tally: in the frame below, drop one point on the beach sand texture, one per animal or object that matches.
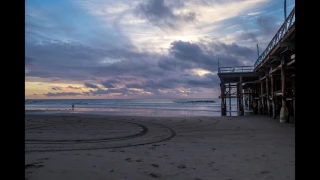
(101, 147)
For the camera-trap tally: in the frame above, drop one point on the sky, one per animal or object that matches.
(117, 49)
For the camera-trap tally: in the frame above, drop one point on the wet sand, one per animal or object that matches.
(90, 147)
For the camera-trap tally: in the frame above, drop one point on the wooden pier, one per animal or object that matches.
(268, 87)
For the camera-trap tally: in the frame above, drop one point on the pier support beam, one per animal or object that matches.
(241, 108)
(274, 115)
(261, 98)
(230, 99)
(250, 98)
(223, 94)
(238, 100)
(254, 100)
(284, 109)
(268, 97)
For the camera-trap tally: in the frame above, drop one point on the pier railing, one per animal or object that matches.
(235, 69)
(281, 32)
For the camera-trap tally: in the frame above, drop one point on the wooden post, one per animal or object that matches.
(284, 109)
(241, 98)
(261, 97)
(254, 103)
(268, 97)
(223, 94)
(230, 99)
(238, 100)
(274, 115)
(250, 98)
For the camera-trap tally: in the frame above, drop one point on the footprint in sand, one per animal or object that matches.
(155, 175)
(181, 166)
(154, 165)
(33, 165)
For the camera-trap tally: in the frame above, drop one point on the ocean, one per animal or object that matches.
(132, 107)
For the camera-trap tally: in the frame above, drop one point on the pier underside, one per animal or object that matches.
(268, 87)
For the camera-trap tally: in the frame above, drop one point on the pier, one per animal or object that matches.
(267, 87)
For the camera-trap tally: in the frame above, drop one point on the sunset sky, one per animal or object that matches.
(141, 49)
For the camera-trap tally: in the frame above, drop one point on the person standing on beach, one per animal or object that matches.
(72, 106)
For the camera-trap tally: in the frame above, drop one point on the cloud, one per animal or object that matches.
(71, 87)
(108, 83)
(248, 36)
(151, 84)
(268, 25)
(110, 91)
(187, 51)
(187, 55)
(55, 88)
(152, 48)
(28, 60)
(89, 85)
(162, 15)
(62, 94)
(253, 13)
(183, 80)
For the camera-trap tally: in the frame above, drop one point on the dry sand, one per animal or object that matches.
(93, 147)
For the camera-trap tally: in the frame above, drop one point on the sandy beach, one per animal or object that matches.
(101, 147)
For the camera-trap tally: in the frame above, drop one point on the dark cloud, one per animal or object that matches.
(151, 84)
(63, 94)
(145, 67)
(206, 81)
(110, 91)
(189, 17)
(186, 55)
(71, 87)
(151, 72)
(89, 85)
(30, 63)
(109, 83)
(59, 53)
(187, 51)
(76, 61)
(27, 60)
(173, 64)
(267, 25)
(41, 73)
(234, 49)
(160, 14)
(185, 80)
(176, 3)
(56, 88)
(249, 36)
